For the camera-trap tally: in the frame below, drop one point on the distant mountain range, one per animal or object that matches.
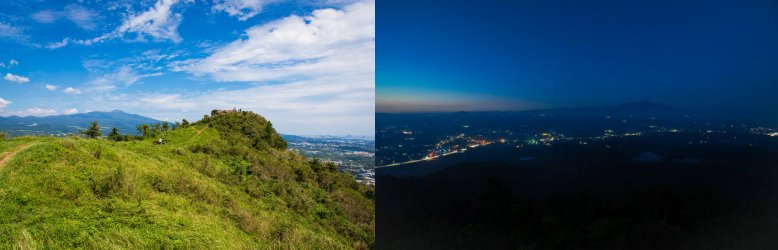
(68, 124)
(636, 109)
(632, 108)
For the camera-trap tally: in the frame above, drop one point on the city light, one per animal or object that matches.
(459, 142)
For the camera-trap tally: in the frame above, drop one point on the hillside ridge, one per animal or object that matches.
(225, 182)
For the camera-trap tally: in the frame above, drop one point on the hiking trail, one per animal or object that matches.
(7, 156)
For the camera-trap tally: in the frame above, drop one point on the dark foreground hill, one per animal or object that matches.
(69, 124)
(226, 182)
(650, 192)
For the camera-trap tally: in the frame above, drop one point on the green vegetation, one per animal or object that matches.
(93, 131)
(114, 135)
(226, 182)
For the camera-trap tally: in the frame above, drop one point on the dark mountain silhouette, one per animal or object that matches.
(644, 107)
(631, 108)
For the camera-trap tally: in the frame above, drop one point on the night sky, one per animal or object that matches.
(719, 56)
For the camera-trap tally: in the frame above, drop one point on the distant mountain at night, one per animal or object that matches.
(634, 108)
(66, 124)
(630, 107)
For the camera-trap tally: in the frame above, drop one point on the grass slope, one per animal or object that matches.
(200, 190)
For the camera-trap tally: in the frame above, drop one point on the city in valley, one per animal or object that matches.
(412, 138)
(639, 170)
(355, 155)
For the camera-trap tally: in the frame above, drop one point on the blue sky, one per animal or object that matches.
(308, 66)
(515, 55)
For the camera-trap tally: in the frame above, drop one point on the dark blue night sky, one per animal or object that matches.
(470, 55)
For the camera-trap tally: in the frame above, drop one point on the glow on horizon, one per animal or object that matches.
(423, 100)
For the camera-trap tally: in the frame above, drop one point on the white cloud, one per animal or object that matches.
(125, 75)
(60, 44)
(71, 90)
(51, 87)
(83, 17)
(16, 78)
(167, 101)
(4, 103)
(10, 32)
(46, 16)
(79, 15)
(160, 23)
(243, 9)
(70, 111)
(329, 42)
(11, 64)
(108, 75)
(37, 112)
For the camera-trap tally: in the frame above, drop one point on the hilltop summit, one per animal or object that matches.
(245, 127)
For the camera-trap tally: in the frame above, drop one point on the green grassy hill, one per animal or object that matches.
(225, 182)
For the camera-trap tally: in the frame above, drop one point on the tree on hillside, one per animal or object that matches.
(114, 135)
(2, 135)
(184, 123)
(156, 130)
(165, 126)
(144, 130)
(93, 131)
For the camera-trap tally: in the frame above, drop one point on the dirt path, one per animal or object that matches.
(197, 133)
(201, 131)
(7, 156)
